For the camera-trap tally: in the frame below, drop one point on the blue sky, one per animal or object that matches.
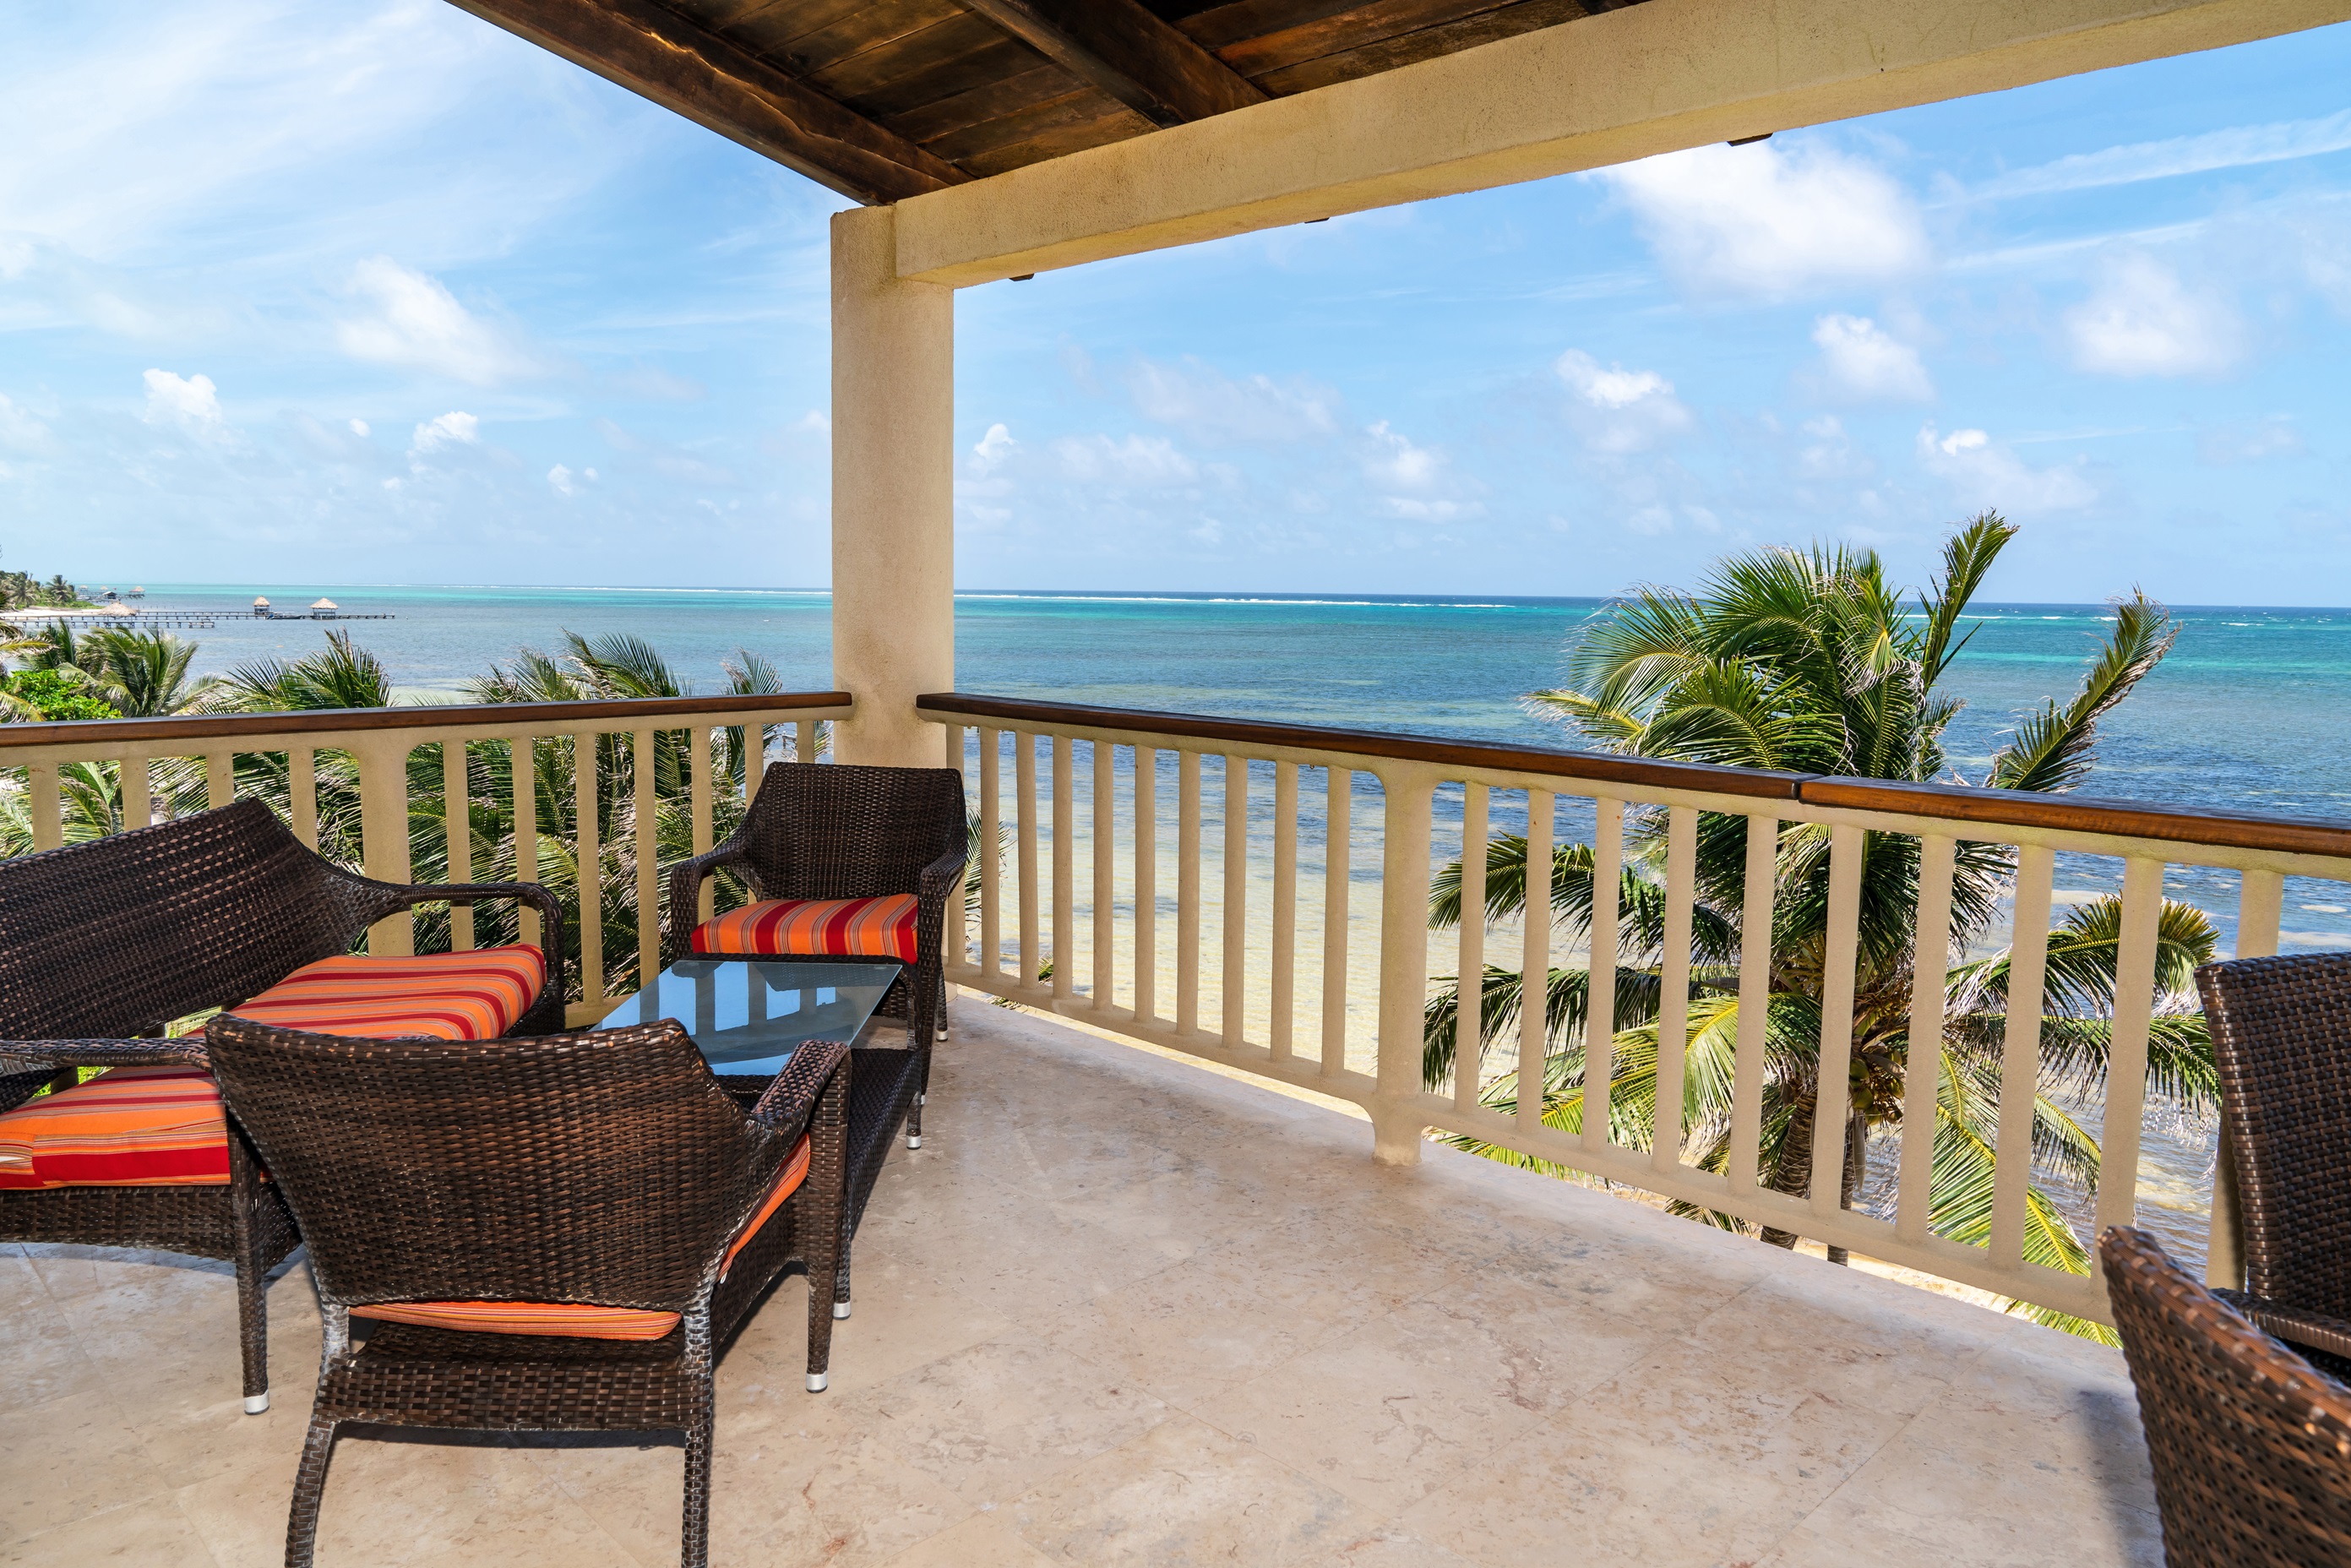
(367, 291)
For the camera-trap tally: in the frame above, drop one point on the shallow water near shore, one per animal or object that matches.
(2242, 717)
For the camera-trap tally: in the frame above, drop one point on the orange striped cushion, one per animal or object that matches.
(573, 1320)
(445, 996)
(133, 1126)
(840, 927)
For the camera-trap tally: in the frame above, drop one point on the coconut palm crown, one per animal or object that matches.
(1810, 661)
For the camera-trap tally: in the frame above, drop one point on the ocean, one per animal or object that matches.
(2236, 717)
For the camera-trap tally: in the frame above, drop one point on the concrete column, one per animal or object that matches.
(892, 493)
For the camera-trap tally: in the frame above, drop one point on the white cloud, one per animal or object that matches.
(19, 430)
(1395, 460)
(560, 479)
(2255, 443)
(1864, 363)
(359, 427)
(1210, 406)
(2142, 321)
(412, 321)
(1139, 460)
(2237, 146)
(191, 403)
(1982, 472)
(992, 451)
(1616, 410)
(1757, 221)
(816, 422)
(451, 429)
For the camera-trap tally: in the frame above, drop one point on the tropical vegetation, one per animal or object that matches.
(1813, 661)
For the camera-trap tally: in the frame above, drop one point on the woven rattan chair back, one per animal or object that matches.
(2282, 1038)
(607, 1167)
(215, 906)
(2251, 1444)
(843, 831)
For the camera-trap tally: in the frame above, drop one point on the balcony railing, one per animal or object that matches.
(1083, 931)
(1124, 901)
(373, 786)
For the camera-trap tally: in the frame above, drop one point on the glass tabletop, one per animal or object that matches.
(749, 1014)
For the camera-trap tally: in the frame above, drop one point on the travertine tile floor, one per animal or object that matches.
(1118, 1310)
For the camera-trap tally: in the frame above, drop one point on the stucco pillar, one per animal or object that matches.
(892, 493)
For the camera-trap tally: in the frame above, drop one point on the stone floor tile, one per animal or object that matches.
(67, 1460)
(1387, 1547)
(1002, 1248)
(1691, 1456)
(983, 1540)
(997, 1418)
(149, 1534)
(401, 1502)
(1185, 1493)
(2011, 1445)
(903, 1316)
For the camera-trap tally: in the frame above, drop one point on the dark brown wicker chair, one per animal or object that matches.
(2282, 1038)
(103, 944)
(432, 1171)
(839, 831)
(2251, 1444)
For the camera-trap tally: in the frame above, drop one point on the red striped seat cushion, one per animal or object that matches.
(444, 996)
(837, 927)
(133, 1126)
(573, 1320)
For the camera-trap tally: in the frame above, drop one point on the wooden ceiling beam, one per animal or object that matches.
(659, 55)
(1123, 48)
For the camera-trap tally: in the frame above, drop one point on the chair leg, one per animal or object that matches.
(252, 1275)
(694, 1546)
(309, 1487)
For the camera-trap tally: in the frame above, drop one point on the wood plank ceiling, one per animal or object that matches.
(884, 99)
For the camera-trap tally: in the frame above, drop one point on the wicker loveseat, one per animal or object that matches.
(104, 944)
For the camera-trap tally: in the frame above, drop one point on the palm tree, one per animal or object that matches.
(1807, 660)
(144, 674)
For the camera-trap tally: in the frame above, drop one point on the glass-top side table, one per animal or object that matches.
(749, 1014)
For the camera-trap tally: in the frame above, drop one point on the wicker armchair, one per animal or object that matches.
(427, 1174)
(2282, 1038)
(102, 944)
(2252, 1446)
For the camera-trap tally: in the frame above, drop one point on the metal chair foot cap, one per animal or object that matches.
(914, 1140)
(841, 1309)
(816, 1381)
(255, 1404)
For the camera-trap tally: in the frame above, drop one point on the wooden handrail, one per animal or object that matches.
(1947, 802)
(192, 727)
(1604, 767)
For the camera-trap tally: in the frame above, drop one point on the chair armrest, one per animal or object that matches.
(943, 875)
(550, 910)
(789, 1100)
(47, 1055)
(685, 891)
(2298, 1326)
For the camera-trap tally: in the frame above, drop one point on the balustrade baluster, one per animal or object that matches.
(2020, 1057)
(1930, 972)
(522, 786)
(1146, 884)
(1839, 957)
(1754, 1000)
(1470, 967)
(2126, 1083)
(1024, 809)
(1187, 893)
(1673, 985)
(43, 798)
(457, 837)
(1284, 1001)
(703, 752)
(2261, 902)
(138, 804)
(1103, 814)
(1338, 844)
(1231, 988)
(1600, 972)
(220, 778)
(992, 859)
(1064, 871)
(648, 934)
(1534, 966)
(588, 859)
